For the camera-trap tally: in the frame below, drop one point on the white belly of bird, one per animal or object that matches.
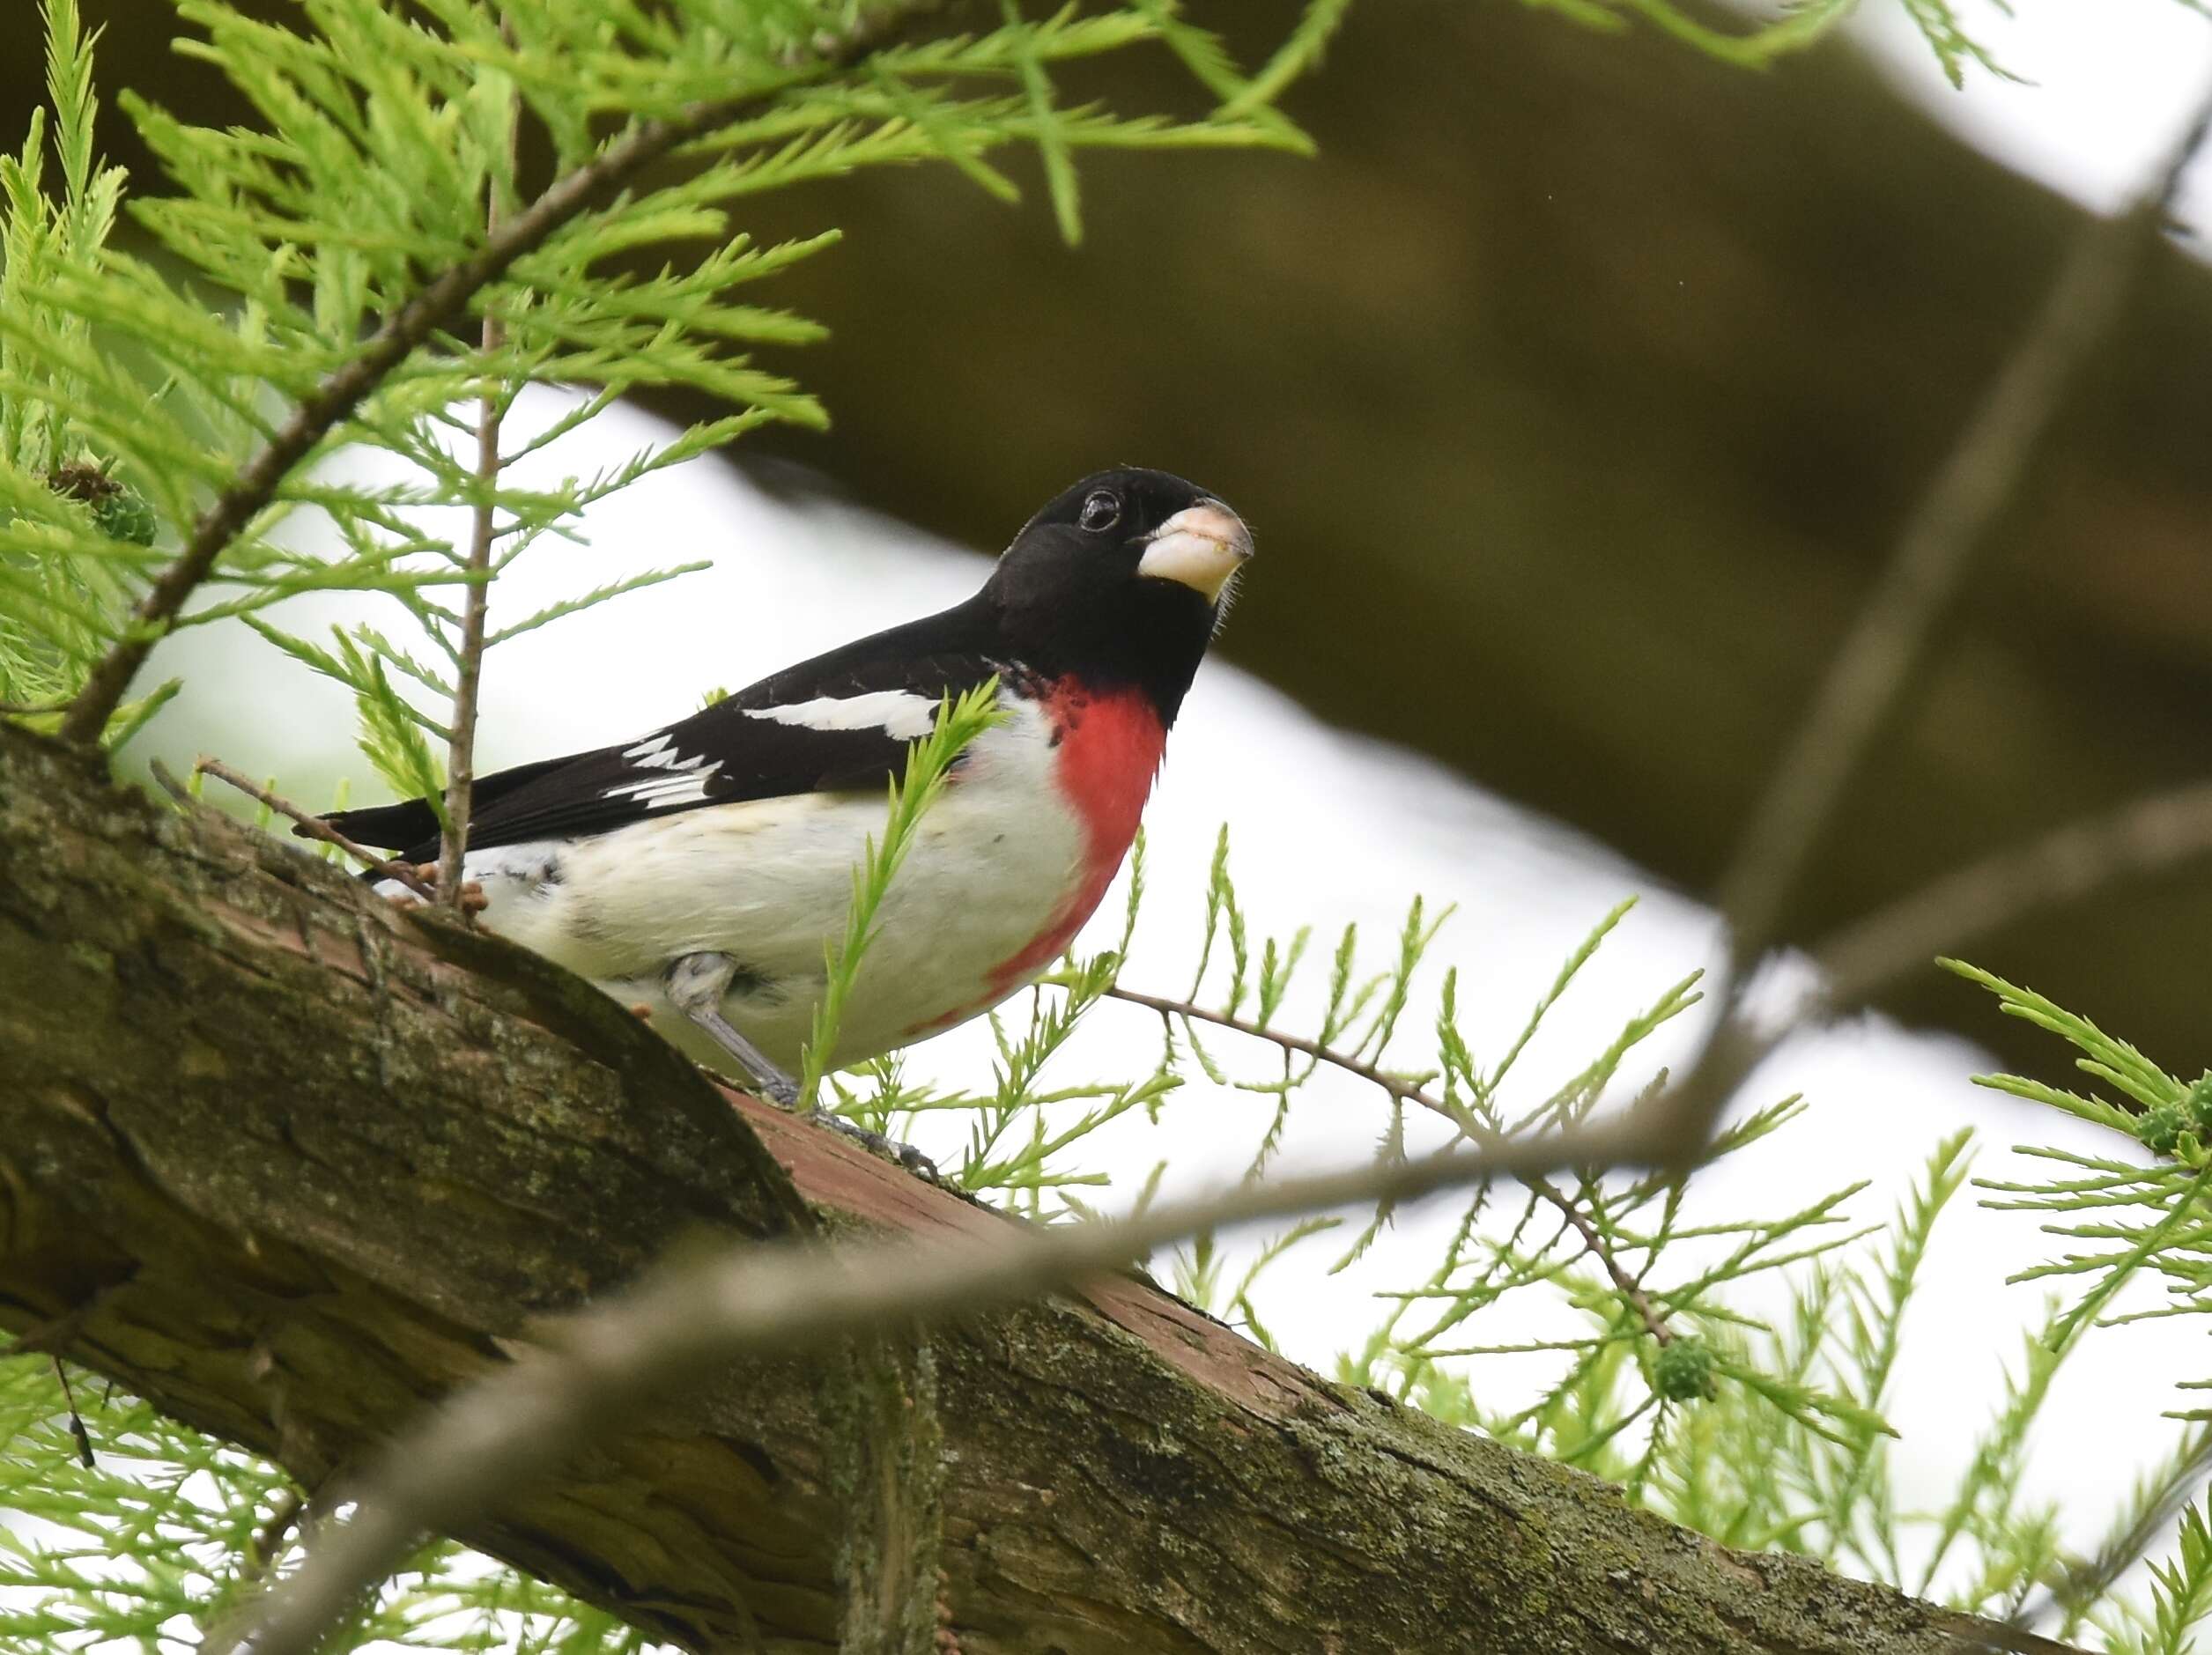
(770, 882)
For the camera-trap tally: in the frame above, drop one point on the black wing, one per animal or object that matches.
(411, 823)
(782, 735)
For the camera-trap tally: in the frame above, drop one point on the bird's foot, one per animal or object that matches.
(876, 1144)
(473, 901)
(775, 1087)
(695, 985)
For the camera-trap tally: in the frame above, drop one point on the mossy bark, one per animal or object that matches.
(290, 1163)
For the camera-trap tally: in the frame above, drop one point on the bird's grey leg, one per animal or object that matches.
(696, 984)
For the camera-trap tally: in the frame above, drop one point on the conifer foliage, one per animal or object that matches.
(439, 204)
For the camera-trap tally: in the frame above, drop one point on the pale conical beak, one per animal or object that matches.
(1202, 546)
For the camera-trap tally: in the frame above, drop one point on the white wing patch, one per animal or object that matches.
(655, 753)
(899, 713)
(657, 792)
(670, 778)
(679, 781)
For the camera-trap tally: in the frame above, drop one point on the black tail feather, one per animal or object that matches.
(385, 827)
(411, 828)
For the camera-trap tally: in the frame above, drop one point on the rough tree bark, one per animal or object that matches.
(290, 1163)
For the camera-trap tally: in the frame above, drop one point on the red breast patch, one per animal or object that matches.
(1107, 747)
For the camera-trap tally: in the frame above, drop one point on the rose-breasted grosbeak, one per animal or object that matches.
(700, 870)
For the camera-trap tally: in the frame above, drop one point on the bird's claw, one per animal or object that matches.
(876, 1144)
(473, 901)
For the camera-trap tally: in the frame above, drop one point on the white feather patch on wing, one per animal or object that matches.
(684, 786)
(676, 779)
(899, 713)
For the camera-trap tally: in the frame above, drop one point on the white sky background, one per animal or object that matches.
(1330, 828)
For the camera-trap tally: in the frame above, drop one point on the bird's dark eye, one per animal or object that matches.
(1100, 511)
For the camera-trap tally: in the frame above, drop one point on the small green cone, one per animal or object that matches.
(1682, 1371)
(127, 515)
(2160, 1127)
(2198, 1105)
(122, 513)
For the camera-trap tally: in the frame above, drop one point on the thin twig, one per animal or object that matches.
(460, 751)
(1861, 692)
(268, 1543)
(83, 1437)
(2085, 1583)
(688, 1322)
(1628, 1286)
(1396, 1085)
(2143, 837)
(313, 825)
(344, 389)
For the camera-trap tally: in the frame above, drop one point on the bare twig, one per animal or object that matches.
(1865, 685)
(409, 326)
(1396, 1085)
(78, 1433)
(1593, 1239)
(2081, 1585)
(1629, 1287)
(313, 825)
(461, 752)
(268, 1543)
(2143, 837)
(688, 1322)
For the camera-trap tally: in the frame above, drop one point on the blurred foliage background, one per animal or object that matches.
(1576, 390)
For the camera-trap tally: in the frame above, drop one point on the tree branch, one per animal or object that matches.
(609, 1365)
(1947, 530)
(2140, 838)
(289, 1161)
